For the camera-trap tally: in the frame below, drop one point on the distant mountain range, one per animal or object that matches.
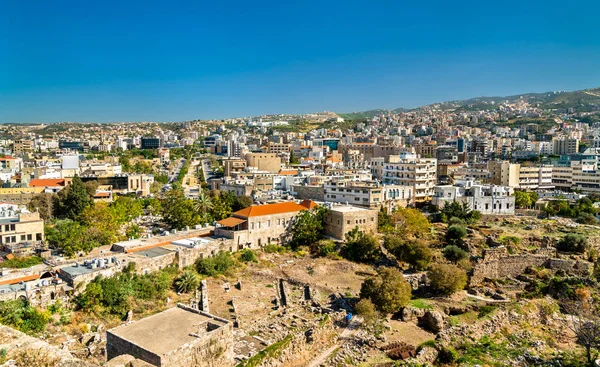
(581, 101)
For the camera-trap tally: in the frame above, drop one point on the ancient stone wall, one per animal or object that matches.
(315, 193)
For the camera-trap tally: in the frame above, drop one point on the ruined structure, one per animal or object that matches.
(340, 220)
(178, 337)
(497, 263)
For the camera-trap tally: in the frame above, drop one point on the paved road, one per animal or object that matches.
(176, 172)
(348, 332)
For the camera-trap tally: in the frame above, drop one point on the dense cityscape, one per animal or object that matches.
(462, 233)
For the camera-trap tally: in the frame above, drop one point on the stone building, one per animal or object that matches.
(178, 337)
(340, 220)
(258, 225)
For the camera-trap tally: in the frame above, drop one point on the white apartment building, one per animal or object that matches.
(362, 193)
(488, 199)
(412, 171)
(535, 177)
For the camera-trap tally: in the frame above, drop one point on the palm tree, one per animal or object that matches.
(203, 203)
(187, 282)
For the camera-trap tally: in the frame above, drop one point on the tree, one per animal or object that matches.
(414, 252)
(293, 159)
(323, 248)
(43, 203)
(75, 201)
(91, 187)
(446, 279)
(178, 212)
(410, 222)
(454, 253)
(384, 221)
(203, 202)
(361, 246)
(371, 318)
(572, 243)
(187, 282)
(242, 202)
(307, 227)
(126, 209)
(66, 235)
(455, 235)
(461, 211)
(525, 199)
(388, 290)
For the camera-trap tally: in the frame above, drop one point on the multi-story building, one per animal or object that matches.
(233, 166)
(20, 230)
(535, 177)
(565, 145)
(504, 173)
(488, 199)
(264, 161)
(362, 193)
(412, 171)
(340, 220)
(150, 143)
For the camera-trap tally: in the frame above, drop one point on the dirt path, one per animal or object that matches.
(349, 331)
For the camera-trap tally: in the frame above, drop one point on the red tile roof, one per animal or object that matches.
(7, 158)
(19, 280)
(270, 209)
(46, 182)
(231, 222)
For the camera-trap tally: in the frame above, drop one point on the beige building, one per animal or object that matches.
(504, 173)
(564, 145)
(411, 171)
(340, 220)
(264, 161)
(259, 225)
(232, 166)
(20, 231)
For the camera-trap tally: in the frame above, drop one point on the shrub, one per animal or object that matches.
(187, 282)
(572, 243)
(446, 279)
(22, 316)
(447, 355)
(454, 253)
(218, 264)
(388, 290)
(272, 249)
(323, 248)
(455, 234)
(247, 255)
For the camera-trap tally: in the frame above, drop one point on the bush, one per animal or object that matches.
(586, 218)
(388, 290)
(187, 282)
(323, 248)
(573, 243)
(454, 253)
(21, 262)
(218, 264)
(371, 318)
(446, 279)
(272, 249)
(247, 255)
(22, 316)
(447, 355)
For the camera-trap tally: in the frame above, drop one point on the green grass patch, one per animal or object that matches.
(421, 303)
(21, 262)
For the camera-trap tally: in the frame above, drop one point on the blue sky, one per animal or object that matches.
(170, 61)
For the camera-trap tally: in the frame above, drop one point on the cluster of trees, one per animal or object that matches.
(361, 247)
(583, 210)
(573, 243)
(180, 212)
(525, 199)
(75, 223)
(119, 293)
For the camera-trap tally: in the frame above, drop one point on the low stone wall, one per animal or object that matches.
(497, 263)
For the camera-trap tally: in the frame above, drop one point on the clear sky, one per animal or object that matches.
(171, 61)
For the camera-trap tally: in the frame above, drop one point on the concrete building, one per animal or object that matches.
(259, 225)
(504, 173)
(488, 199)
(340, 220)
(535, 177)
(412, 171)
(264, 161)
(20, 230)
(232, 166)
(565, 145)
(362, 193)
(178, 337)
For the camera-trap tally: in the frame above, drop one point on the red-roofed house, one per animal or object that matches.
(259, 225)
(50, 184)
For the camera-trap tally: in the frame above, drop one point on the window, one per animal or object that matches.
(348, 222)
(29, 237)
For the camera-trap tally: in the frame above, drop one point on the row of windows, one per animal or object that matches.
(8, 227)
(23, 237)
(267, 224)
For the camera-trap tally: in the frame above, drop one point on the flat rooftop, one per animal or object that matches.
(165, 331)
(347, 209)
